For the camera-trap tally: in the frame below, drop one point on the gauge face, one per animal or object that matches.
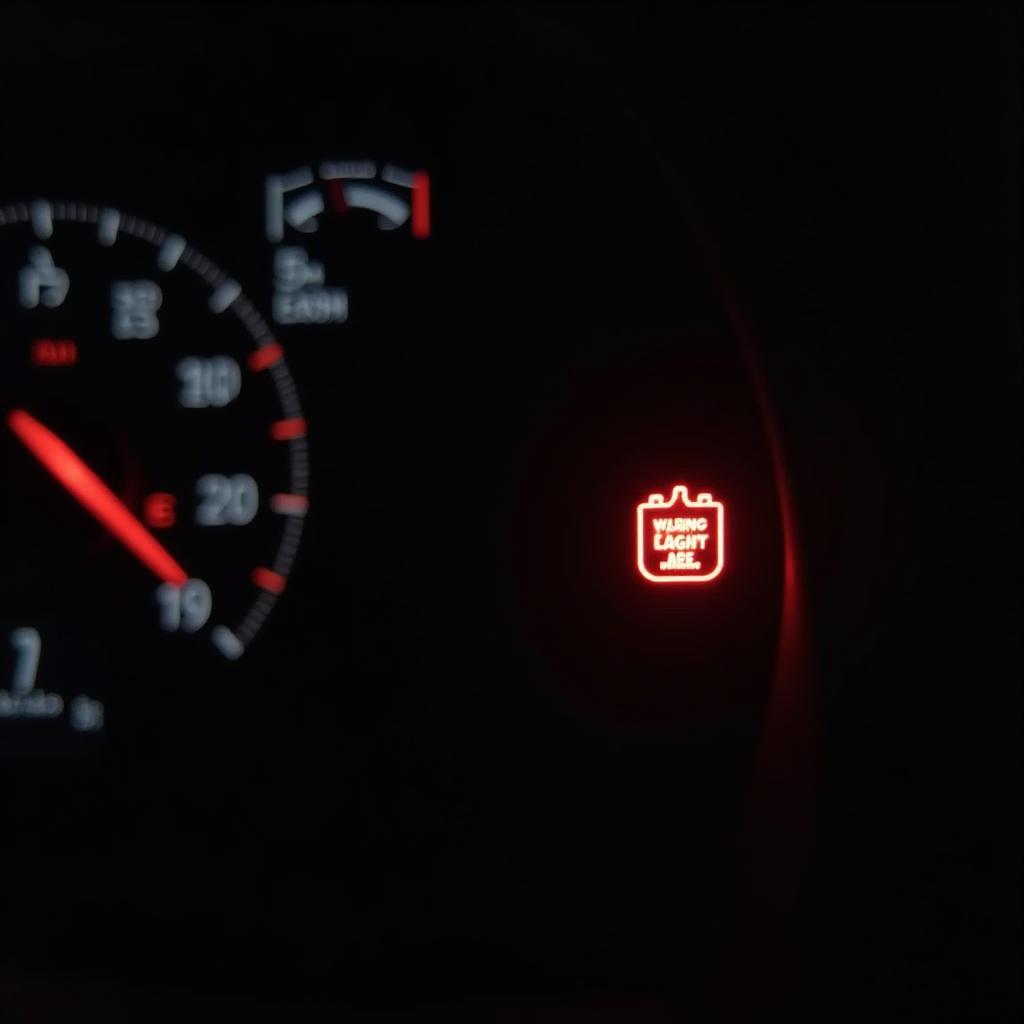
(154, 450)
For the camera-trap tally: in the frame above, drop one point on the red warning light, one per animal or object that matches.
(160, 510)
(680, 541)
(53, 352)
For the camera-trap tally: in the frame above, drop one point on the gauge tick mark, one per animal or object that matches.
(265, 356)
(42, 218)
(290, 505)
(170, 252)
(107, 227)
(224, 295)
(227, 643)
(267, 579)
(288, 430)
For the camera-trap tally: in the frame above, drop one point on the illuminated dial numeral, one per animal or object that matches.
(226, 500)
(41, 281)
(186, 608)
(133, 309)
(208, 382)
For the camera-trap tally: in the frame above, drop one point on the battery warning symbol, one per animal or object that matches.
(679, 540)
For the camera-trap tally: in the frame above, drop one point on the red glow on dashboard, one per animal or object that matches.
(680, 541)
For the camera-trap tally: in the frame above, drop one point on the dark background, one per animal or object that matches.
(527, 793)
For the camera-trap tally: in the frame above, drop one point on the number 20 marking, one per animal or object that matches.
(226, 500)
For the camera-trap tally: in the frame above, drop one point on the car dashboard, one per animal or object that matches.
(477, 522)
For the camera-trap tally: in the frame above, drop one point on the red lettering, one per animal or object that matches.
(159, 510)
(53, 352)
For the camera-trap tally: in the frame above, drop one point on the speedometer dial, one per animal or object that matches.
(152, 438)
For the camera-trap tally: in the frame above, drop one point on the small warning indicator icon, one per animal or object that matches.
(679, 540)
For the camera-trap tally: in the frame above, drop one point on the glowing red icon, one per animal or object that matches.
(680, 541)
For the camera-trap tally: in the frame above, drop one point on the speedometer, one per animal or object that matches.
(154, 449)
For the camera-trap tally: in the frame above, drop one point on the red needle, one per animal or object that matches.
(94, 495)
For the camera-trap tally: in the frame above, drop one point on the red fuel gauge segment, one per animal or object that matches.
(679, 540)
